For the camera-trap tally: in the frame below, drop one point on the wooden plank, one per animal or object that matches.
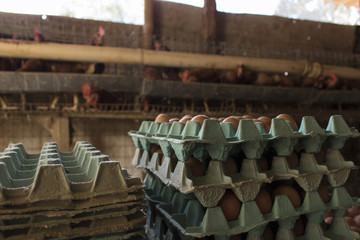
(50, 82)
(247, 92)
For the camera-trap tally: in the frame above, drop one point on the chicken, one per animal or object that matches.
(264, 79)
(330, 81)
(95, 95)
(200, 75)
(161, 73)
(245, 75)
(286, 80)
(78, 67)
(34, 65)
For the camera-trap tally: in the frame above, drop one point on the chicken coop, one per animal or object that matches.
(60, 84)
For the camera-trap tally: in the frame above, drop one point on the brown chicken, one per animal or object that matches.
(34, 65)
(200, 75)
(79, 67)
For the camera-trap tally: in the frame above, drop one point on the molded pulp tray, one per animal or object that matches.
(218, 140)
(62, 195)
(189, 217)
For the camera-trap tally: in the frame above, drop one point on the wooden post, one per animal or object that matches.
(61, 133)
(209, 24)
(148, 28)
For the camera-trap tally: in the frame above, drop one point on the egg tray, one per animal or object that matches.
(37, 221)
(86, 228)
(188, 215)
(339, 229)
(246, 184)
(135, 234)
(219, 140)
(51, 177)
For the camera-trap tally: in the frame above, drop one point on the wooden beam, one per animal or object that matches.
(209, 22)
(72, 52)
(148, 27)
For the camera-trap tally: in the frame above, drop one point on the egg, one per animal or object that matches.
(247, 117)
(232, 120)
(200, 118)
(230, 205)
(354, 211)
(196, 167)
(355, 229)
(264, 201)
(357, 220)
(185, 119)
(324, 193)
(230, 166)
(290, 192)
(220, 119)
(263, 164)
(174, 120)
(162, 118)
(320, 156)
(155, 148)
(350, 221)
(266, 123)
(299, 227)
(293, 160)
(237, 117)
(268, 233)
(328, 220)
(213, 118)
(290, 120)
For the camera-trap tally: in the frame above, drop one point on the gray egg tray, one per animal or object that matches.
(82, 174)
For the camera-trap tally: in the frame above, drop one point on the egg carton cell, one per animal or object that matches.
(219, 140)
(84, 228)
(76, 176)
(191, 218)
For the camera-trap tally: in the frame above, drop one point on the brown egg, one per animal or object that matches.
(237, 117)
(320, 157)
(328, 214)
(200, 118)
(324, 193)
(328, 220)
(247, 117)
(232, 120)
(290, 120)
(213, 118)
(268, 233)
(354, 211)
(266, 122)
(185, 119)
(162, 118)
(264, 201)
(174, 120)
(293, 160)
(357, 220)
(355, 229)
(350, 221)
(220, 119)
(263, 164)
(299, 227)
(196, 166)
(290, 192)
(230, 205)
(230, 166)
(155, 148)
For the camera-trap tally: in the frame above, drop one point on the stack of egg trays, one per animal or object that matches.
(219, 140)
(57, 194)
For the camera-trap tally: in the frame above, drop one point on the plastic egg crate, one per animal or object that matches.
(81, 174)
(192, 219)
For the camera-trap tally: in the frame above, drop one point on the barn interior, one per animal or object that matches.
(58, 84)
